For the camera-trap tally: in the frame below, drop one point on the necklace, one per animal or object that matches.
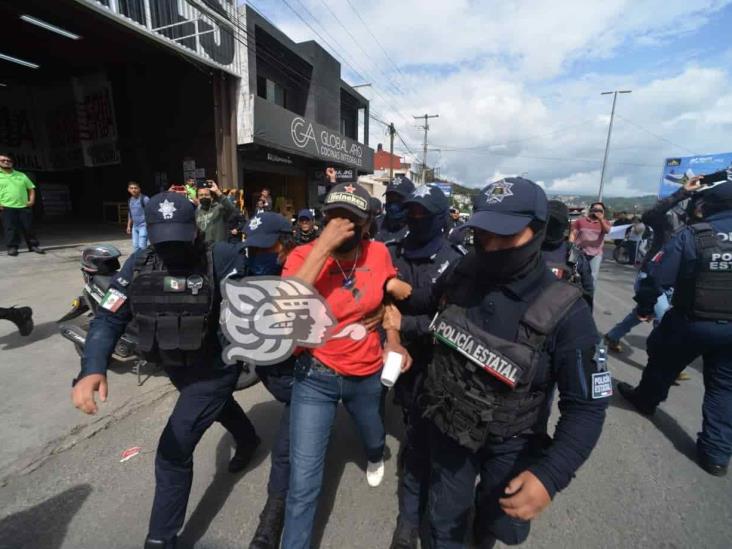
(348, 281)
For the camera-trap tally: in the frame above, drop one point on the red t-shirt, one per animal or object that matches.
(373, 269)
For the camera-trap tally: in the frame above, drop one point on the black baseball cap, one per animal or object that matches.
(170, 217)
(349, 196)
(376, 206)
(306, 213)
(401, 185)
(430, 197)
(721, 192)
(507, 206)
(265, 229)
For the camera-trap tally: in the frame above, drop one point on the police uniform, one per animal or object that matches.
(697, 263)
(558, 256)
(393, 226)
(302, 237)
(175, 307)
(421, 259)
(507, 333)
(265, 230)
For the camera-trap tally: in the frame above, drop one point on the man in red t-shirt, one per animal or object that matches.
(351, 274)
(588, 234)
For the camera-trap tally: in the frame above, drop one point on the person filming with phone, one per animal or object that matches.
(213, 212)
(588, 234)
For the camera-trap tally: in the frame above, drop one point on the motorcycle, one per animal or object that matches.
(99, 264)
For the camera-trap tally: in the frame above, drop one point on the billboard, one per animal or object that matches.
(677, 170)
(445, 188)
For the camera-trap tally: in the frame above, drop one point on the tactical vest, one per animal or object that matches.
(707, 295)
(174, 311)
(479, 386)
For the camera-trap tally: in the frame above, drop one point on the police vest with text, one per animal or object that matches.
(479, 386)
(708, 295)
(173, 309)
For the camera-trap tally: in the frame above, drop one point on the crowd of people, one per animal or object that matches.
(491, 319)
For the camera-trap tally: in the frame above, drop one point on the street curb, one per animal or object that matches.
(29, 463)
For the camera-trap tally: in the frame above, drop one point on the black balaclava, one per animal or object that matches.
(425, 236)
(395, 215)
(557, 225)
(178, 255)
(503, 266)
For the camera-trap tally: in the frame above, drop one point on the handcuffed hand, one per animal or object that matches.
(526, 497)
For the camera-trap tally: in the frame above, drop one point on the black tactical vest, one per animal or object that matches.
(708, 295)
(479, 386)
(173, 310)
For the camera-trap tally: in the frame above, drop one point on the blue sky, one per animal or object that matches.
(517, 84)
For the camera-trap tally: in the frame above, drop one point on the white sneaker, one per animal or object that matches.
(375, 473)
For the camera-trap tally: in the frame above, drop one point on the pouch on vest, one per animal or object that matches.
(191, 330)
(167, 333)
(146, 332)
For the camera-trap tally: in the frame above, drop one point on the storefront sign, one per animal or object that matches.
(279, 159)
(187, 26)
(275, 126)
(344, 176)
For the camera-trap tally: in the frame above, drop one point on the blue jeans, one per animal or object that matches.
(631, 320)
(315, 397)
(139, 237)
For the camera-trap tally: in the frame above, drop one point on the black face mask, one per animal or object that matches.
(177, 255)
(504, 266)
(555, 231)
(352, 242)
(205, 203)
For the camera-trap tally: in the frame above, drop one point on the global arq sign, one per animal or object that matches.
(325, 143)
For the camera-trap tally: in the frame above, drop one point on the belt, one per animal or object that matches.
(318, 366)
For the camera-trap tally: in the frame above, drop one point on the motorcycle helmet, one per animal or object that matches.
(100, 259)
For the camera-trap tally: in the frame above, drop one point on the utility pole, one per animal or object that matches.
(392, 131)
(426, 128)
(609, 133)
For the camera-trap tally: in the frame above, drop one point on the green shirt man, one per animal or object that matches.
(16, 189)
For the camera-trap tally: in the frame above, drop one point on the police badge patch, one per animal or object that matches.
(496, 192)
(602, 385)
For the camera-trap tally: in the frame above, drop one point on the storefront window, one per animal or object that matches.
(271, 91)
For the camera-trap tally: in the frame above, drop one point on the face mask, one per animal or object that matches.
(352, 242)
(205, 203)
(265, 264)
(506, 265)
(395, 215)
(424, 229)
(176, 254)
(555, 231)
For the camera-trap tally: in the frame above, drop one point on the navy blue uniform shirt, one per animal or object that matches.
(677, 260)
(108, 327)
(571, 349)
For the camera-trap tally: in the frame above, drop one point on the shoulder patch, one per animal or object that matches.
(602, 385)
(123, 281)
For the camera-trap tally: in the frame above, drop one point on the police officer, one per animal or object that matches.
(306, 230)
(394, 224)
(269, 240)
(697, 263)
(421, 258)
(171, 291)
(557, 252)
(508, 331)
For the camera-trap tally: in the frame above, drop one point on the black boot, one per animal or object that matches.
(243, 454)
(714, 469)
(405, 535)
(151, 543)
(22, 317)
(12, 252)
(631, 395)
(271, 521)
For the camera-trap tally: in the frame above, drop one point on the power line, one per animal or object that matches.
(375, 38)
(649, 132)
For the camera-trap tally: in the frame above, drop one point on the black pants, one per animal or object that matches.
(453, 492)
(15, 222)
(206, 395)
(278, 380)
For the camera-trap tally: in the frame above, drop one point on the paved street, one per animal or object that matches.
(65, 486)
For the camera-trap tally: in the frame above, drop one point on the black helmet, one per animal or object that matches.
(100, 259)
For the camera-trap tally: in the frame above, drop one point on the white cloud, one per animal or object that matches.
(504, 73)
